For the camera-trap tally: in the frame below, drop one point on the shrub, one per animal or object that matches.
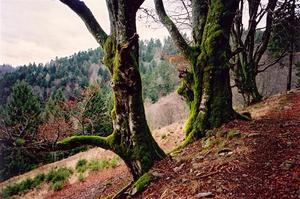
(95, 165)
(57, 177)
(59, 174)
(81, 165)
(57, 185)
(114, 161)
(23, 186)
(81, 178)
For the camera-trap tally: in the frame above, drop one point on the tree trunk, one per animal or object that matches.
(131, 138)
(212, 100)
(245, 81)
(134, 142)
(206, 87)
(291, 51)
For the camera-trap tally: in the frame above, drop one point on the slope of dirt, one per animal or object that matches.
(104, 182)
(242, 159)
(258, 159)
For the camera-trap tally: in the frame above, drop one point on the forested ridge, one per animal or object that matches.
(77, 71)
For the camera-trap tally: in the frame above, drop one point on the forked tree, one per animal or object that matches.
(131, 138)
(206, 85)
(249, 51)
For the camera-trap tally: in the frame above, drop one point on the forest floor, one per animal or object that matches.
(242, 159)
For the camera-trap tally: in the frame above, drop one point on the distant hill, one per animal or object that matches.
(5, 68)
(75, 72)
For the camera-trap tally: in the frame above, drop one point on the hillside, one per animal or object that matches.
(242, 159)
(76, 72)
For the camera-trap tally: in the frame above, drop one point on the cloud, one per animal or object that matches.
(40, 30)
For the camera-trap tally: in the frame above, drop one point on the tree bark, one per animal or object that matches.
(206, 87)
(291, 51)
(131, 138)
(212, 103)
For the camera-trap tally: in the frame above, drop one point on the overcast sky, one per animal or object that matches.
(39, 30)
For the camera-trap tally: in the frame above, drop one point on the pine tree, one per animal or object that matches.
(23, 107)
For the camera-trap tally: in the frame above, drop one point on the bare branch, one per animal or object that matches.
(283, 53)
(267, 33)
(88, 18)
(172, 28)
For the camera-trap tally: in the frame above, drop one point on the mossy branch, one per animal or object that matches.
(88, 18)
(75, 141)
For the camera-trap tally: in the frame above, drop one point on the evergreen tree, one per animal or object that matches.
(21, 124)
(23, 107)
(53, 107)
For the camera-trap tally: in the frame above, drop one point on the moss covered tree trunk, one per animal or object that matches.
(131, 138)
(212, 103)
(206, 87)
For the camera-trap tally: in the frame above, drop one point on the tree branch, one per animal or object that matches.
(173, 30)
(75, 141)
(88, 18)
(267, 33)
(284, 53)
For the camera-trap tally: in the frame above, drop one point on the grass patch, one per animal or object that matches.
(81, 165)
(57, 177)
(57, 185)
(95, 165)
(23, 186)
(81, 178)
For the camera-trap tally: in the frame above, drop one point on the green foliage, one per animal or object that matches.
(95, 165)
(57, 177)
(53, 107)
(23, 105)
(57, 185)
(21, 114)
(23, 186)
(81, 165)
(159, 80)
(67, 73)
(98, 110)
(60, 174)
(81, 178)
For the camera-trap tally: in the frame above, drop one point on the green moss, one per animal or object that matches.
(79, 140)
(143, 182)
(233, 134)
(20, 142)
